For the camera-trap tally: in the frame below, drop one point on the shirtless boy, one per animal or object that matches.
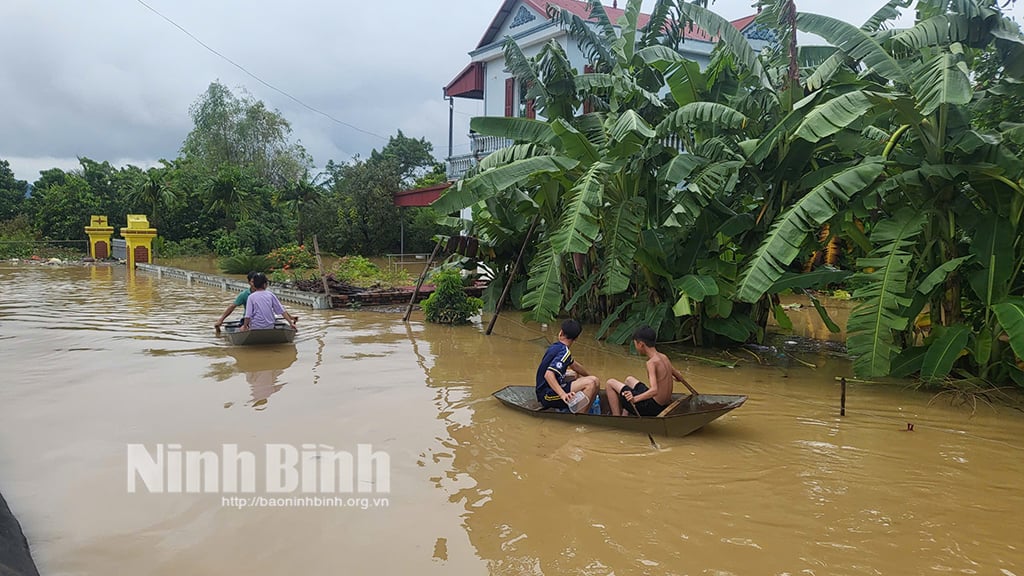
(634, 397)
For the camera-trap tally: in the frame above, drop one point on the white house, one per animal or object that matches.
(486, 77)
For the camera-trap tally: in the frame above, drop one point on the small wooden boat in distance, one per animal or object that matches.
(281, 333)
(691, 414)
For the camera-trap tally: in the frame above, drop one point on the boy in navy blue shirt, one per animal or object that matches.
(553, 388)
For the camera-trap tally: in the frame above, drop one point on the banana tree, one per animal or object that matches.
(944, 198)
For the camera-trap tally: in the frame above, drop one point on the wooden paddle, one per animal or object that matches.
(669, 408)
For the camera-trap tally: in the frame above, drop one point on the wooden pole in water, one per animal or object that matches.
(323, 277)
(512, 275)
(419, 283)
(842, 397)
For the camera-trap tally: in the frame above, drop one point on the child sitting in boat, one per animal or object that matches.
(554, 390)
(639, 398)
(262, 305)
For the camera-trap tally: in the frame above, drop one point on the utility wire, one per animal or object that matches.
(257, 78)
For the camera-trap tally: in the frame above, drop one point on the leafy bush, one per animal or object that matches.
(290, 257)
(291, 275)
(449, 304)
(186, 247)
(19, 231)
(245, 263)
(361, 272)
(226, 244)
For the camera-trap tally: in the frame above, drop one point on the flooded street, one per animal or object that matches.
(95, 360)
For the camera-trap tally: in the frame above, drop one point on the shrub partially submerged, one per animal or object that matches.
(449, 303)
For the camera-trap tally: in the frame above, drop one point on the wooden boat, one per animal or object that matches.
(281, 333)
(689, 415)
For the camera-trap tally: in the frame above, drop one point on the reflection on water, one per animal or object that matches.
(781, 486)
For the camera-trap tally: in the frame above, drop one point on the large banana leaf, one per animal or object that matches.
(871, 327)
(729, 37)
(939, 274)
(993, 243)
(1010, 314)
(578, 227)
(621, 85)
(697, 113)
(835, 115)
(938, 31)
(492, 182)
(660, 57)
(768, 142)
(518, 129)
(890, 11)
(942, 81)
(628, 25)
(856, 43)
(574, 143)
(629, 134)
(943, 352)
(826, 70)
(543, 298)
(697, 287)
(624, 220)
(594, 42)
(782, 244)
(686, 83)
(680, 167)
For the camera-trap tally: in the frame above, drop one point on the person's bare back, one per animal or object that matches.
(636, 397)
(660, 370)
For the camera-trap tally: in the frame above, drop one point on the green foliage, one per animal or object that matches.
(361, 272)
(12, 192)
(241, 131)
(17, 237)
(448, 304)
(186, 247)
(291, 256)
(245, 263)
(226, 244)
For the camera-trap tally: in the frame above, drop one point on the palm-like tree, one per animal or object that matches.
(153, 191)
(298, 197)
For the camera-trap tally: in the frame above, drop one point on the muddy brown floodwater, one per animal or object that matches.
(94, 360)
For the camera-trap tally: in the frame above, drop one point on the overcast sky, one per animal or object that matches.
(111, 80)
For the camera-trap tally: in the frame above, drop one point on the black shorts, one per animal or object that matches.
(648, 407)
(549, 399)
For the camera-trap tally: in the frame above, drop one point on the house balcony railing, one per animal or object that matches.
(481, 146)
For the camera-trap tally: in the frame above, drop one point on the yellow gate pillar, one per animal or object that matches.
(99, 237)
(139, 239)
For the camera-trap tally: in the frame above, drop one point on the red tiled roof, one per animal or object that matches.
(582, 9)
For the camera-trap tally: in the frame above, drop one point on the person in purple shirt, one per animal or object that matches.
(261, 306)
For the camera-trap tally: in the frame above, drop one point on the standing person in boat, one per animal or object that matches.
(262, 305)
(635, 397)
(553, 388)
(239, 301)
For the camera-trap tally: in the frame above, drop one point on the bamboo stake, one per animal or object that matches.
(323, 276)
(419, 283)
(512, 275)
(842, 397)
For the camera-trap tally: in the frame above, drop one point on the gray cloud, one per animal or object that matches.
(111, 80)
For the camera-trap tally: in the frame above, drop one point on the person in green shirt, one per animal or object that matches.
(240, 300)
